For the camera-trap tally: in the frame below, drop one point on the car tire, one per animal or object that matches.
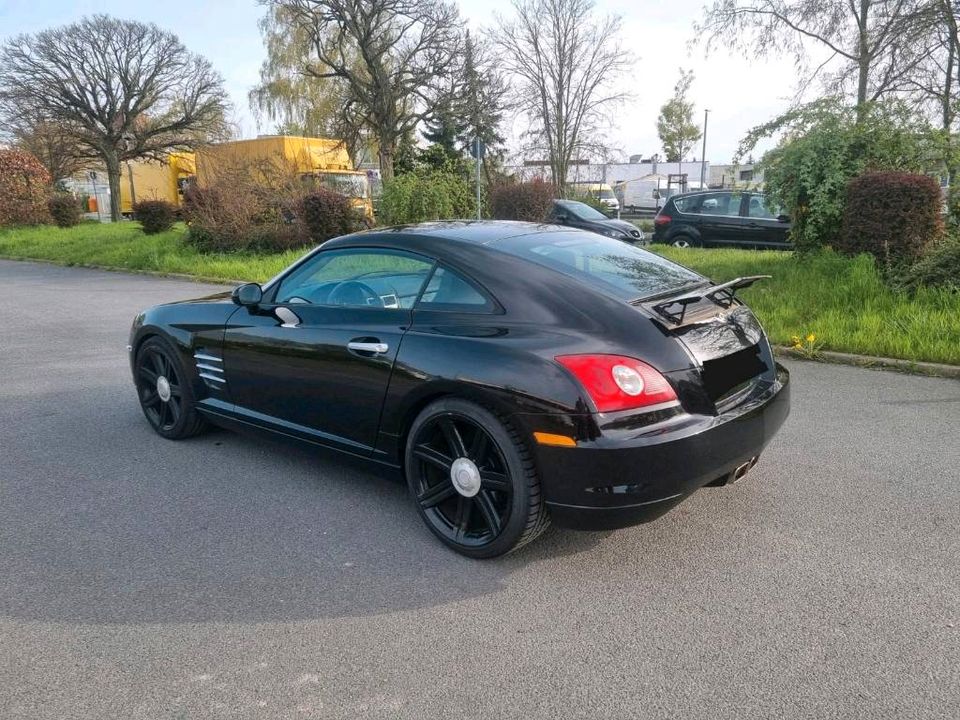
(473, 480)
(165, 393)
(685, 241)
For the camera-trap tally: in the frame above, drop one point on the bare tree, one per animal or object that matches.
(871, 45)
(563, 63)
(125, 89)
(936, 82)
(54, 145)
(391, 54)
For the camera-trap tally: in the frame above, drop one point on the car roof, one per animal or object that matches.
(475, 232)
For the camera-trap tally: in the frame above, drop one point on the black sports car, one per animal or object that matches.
(516, 373)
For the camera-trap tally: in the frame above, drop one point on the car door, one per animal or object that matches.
(764, 226)
(315, 358)
(720, 220)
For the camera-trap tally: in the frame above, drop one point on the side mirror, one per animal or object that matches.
(783, 218)
(249, 295)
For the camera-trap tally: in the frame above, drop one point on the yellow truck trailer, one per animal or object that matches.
(155, 180)
(322, 161)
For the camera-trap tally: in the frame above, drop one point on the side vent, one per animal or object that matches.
(210, 368)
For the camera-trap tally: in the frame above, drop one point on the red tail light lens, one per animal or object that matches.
(615, 382)
(662, 220)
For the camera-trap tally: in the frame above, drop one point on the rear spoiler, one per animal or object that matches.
(723, 295)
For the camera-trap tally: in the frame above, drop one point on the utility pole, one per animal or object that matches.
(703, 154)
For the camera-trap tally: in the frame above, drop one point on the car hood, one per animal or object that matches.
(614, 224)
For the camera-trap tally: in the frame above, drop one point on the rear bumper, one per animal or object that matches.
(614, 482)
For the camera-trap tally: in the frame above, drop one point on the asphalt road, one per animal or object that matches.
(233, 577)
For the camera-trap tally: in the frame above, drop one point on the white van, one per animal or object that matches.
(601, 192)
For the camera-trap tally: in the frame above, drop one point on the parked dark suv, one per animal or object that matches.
(721, 217)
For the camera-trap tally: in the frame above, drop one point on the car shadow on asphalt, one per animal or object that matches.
(107, 523)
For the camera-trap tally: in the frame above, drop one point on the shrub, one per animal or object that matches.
(65, 209)
(265, 207)
(940, 267)
(894, 216)
(826, 145)
(530, 201)
(156, 216)
(327, 214)
(24, 189)
(425, 194)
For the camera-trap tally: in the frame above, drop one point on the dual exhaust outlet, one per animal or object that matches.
(736, 475)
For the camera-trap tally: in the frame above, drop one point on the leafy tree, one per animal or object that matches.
(826, 144)
(302, 103)
(392, 55)
(561, 62)
(123, 89)
(675, 124)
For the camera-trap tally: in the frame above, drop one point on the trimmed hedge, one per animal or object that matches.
(156, 216)
(65, 209)
(893, 216)
(24, 189)
(530, 201)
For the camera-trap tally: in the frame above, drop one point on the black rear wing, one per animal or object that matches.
(724, 294)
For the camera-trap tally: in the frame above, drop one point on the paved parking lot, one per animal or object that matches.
(233, 577)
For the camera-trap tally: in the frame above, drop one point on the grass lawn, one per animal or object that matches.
(843, 301)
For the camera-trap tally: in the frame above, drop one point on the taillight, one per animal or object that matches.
(615, 382)
(661, 220)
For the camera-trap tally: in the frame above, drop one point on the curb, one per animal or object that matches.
(872, 362)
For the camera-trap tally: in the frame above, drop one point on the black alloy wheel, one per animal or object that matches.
(165, 396)
(473, 480)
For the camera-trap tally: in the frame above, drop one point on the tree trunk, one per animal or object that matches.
(863, 60)
(387, 152)
(113, 178)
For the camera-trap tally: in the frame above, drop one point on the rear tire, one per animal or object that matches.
(473, 480)
(165, 394)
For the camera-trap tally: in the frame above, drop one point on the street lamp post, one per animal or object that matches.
(703, 154)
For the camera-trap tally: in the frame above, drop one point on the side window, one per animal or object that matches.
(758, 208)
(688, 204)
(357, 278)
(722, 203)
(449, 291)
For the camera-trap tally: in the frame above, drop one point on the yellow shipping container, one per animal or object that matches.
(323, 161)
(154, 180)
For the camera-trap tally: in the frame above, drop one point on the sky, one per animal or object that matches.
(739, 92)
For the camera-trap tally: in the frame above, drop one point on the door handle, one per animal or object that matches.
(377, 348)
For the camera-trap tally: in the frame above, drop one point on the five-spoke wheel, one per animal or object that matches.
(472, 479)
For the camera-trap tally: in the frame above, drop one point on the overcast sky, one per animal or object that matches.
(740, 93)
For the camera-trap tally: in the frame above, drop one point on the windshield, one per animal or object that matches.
(623, 269)
(582, 210)
(350, 184)
(607, 195)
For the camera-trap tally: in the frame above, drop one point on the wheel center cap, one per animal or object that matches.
(465, 477)
(163, 388)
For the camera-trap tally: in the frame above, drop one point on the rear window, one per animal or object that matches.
(622, 269)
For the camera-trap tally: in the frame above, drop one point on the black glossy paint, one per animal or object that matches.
(742, 226)
(301, 381)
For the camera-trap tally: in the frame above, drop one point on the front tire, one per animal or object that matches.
(166, 397)
(473, 479)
